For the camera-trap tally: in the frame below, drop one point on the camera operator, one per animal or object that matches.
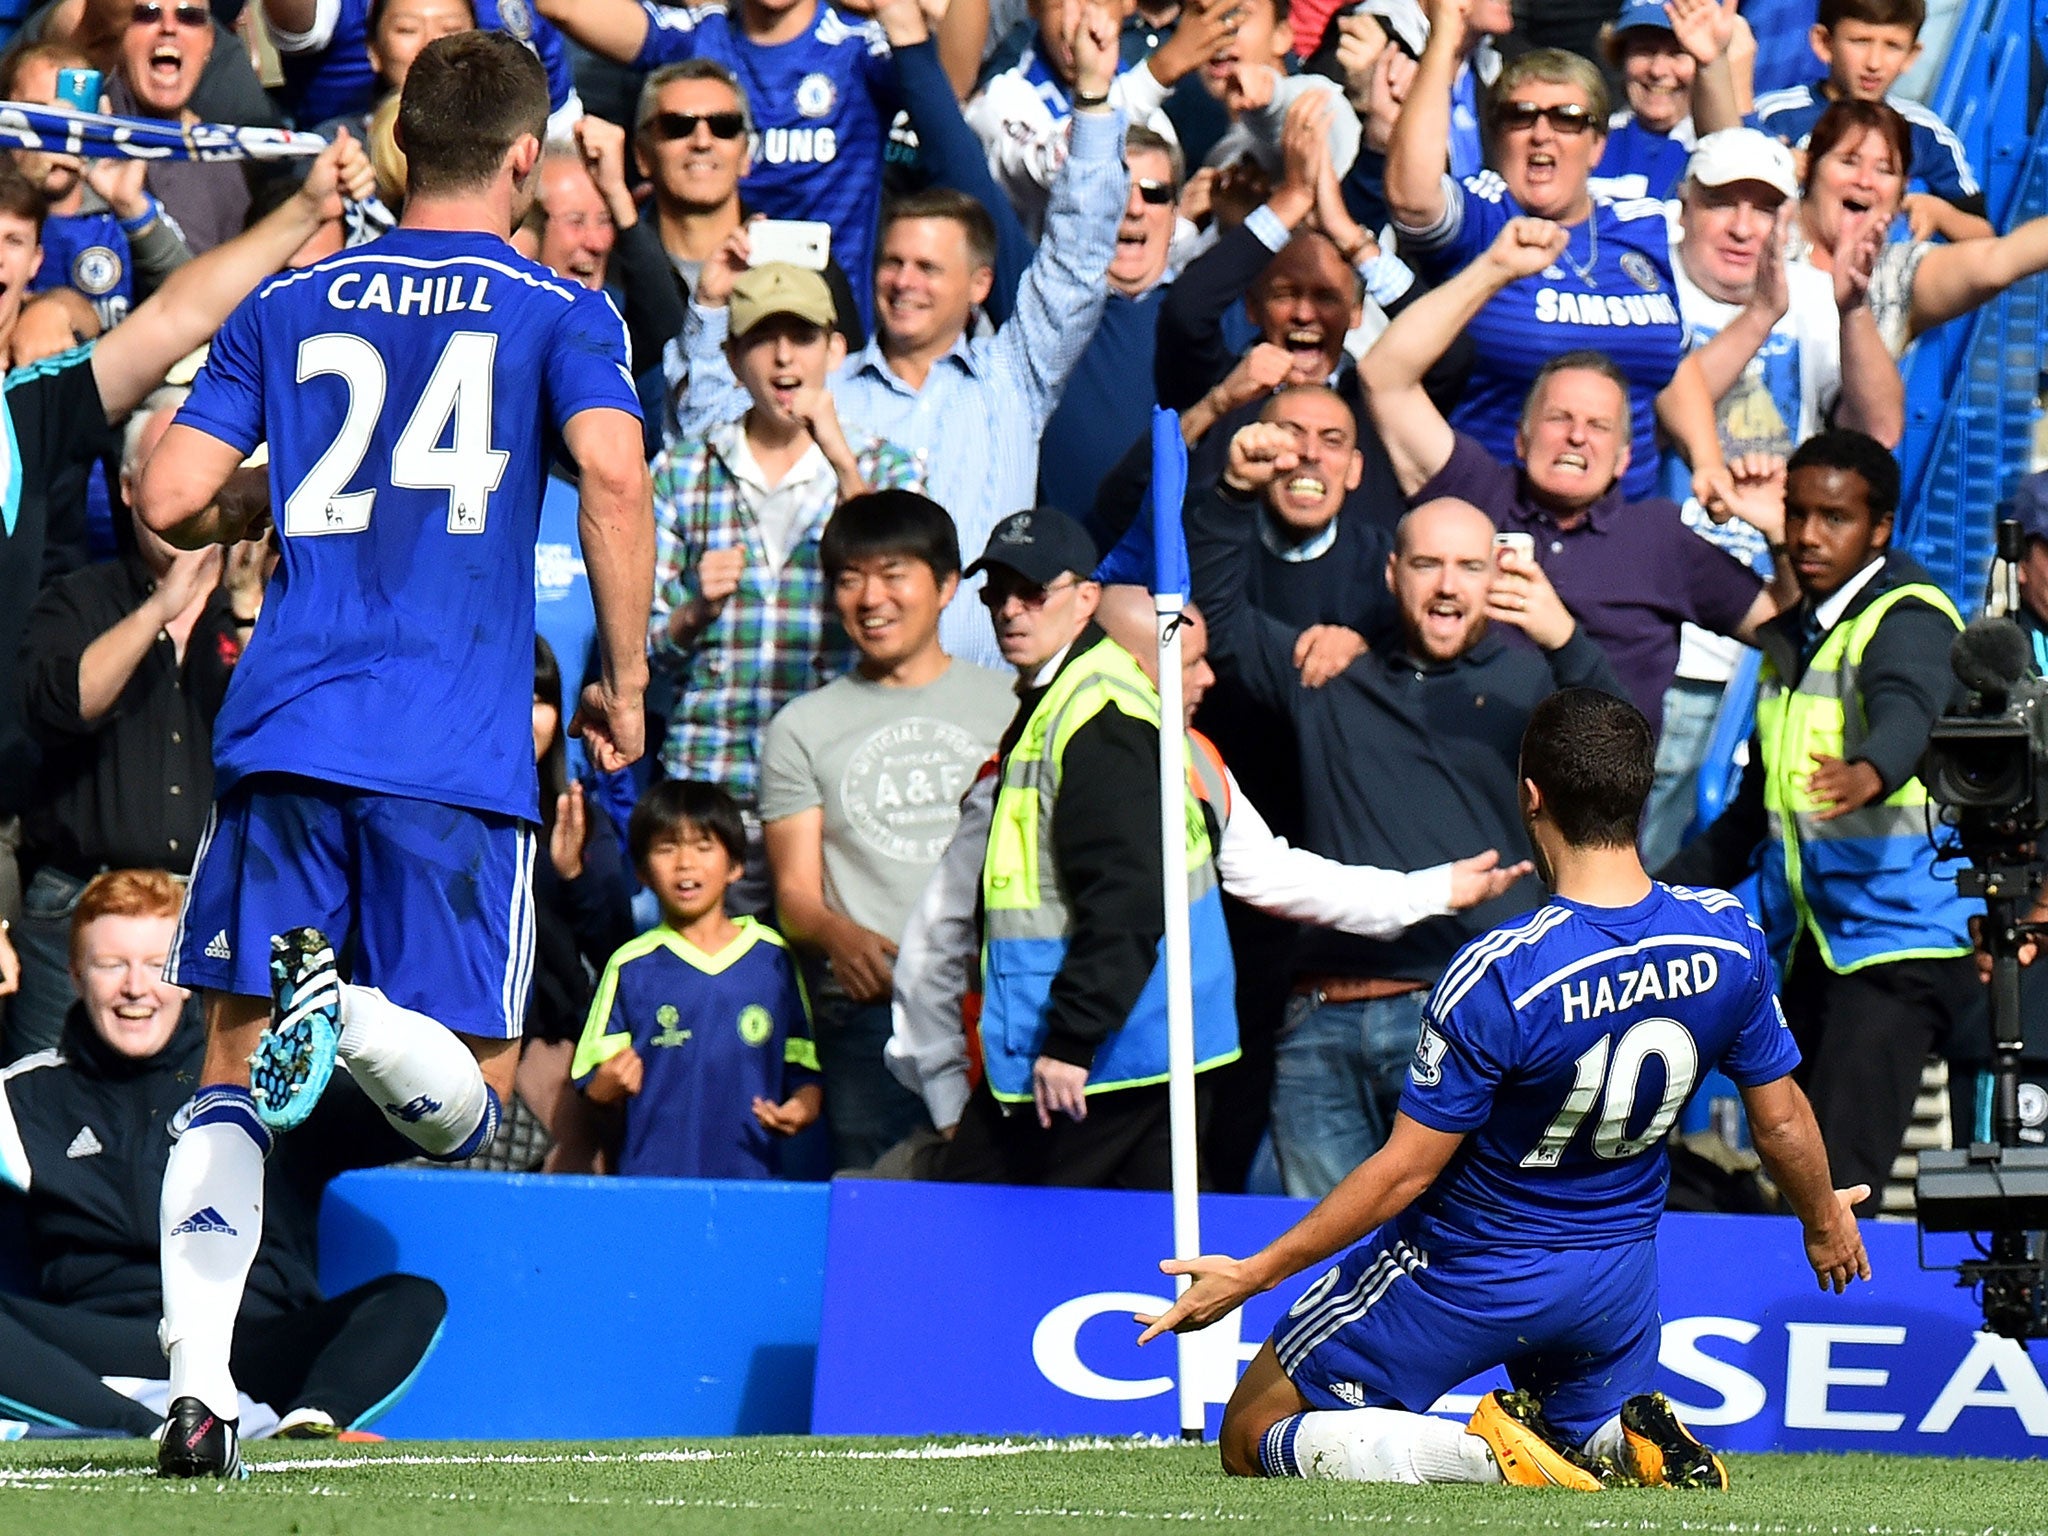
(1969, 1052)
(1854, 675)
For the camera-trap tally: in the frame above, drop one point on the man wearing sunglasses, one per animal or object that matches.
(1073, 1021)
(821, 94)
(163, 52)
(691, 135)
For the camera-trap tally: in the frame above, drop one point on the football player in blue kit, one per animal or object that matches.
(1511, 1217)
(374, 755)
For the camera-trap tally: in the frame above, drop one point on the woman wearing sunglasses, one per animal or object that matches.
(1610, 291)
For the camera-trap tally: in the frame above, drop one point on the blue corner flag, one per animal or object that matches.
(1169, 490)
(1142, 557)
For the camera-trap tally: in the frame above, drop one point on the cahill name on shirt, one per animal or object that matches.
(426, 296)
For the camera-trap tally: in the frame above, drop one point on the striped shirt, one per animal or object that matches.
(978, 416)
(778, 636)
(1610, 292)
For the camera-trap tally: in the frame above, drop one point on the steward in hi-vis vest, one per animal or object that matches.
(1832, 820)
(1073, 1015)
(1029, 917)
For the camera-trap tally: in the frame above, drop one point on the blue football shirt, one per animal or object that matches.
(410, 391)
(1565, 1046)
(337, 80)
(1641, 163)
(713, 1032)
(1610, 292)
(87, 251)
(822, 106)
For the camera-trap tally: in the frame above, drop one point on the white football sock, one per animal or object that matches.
(212, 1222)
(1609, 1441)
(418, 1072)
(1386, 1445)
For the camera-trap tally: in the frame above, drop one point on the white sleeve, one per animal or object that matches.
(326, 17)
(927, 1050)
(563, 120)
(1143, 100)
(1263, 869)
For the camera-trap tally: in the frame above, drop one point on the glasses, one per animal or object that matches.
(1157, 193)
(150, 14)
(1567, 121)
(995, 593)
(669, 126)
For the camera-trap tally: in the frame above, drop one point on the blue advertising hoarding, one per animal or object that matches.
(586, 1307)
(956, 1309)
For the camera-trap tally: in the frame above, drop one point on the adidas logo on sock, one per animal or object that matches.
(205, 1219)
(415, 1109)
(84, 1144)
(218, 948)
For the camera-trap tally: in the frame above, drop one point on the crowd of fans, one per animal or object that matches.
(1490, 386)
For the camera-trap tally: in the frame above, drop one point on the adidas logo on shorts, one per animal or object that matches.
(1348, 1391)
(218, 948)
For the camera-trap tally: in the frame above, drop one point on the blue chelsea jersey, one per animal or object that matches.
(87, 251)
(822, 106)
(410, 391)
(1610, 292)
(1565, 1046)
(337, 80)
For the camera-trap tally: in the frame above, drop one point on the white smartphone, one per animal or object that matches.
(1523, 544)
(800, 242)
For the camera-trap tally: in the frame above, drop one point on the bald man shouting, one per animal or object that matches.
(1408, 761)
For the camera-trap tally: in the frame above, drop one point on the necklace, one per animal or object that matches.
(1585, 273)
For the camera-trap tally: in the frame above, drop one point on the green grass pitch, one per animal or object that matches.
(782, 1487)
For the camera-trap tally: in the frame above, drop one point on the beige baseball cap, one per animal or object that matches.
(780, 288)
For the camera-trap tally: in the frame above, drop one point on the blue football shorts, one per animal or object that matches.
(1394, 1326)
(431, 904)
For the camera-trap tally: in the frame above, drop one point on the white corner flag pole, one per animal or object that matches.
(1180, 995)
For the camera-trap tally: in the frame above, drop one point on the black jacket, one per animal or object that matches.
(1904, 682)
(130, 789)
(577, 926)
(94, 1130)
(1405, 764)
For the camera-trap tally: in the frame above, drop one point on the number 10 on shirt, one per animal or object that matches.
(455, 406)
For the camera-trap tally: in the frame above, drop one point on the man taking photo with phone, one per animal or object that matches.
(1630, 571)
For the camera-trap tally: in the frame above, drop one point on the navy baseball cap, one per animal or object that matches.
(2029, 505)
(1040, 545)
